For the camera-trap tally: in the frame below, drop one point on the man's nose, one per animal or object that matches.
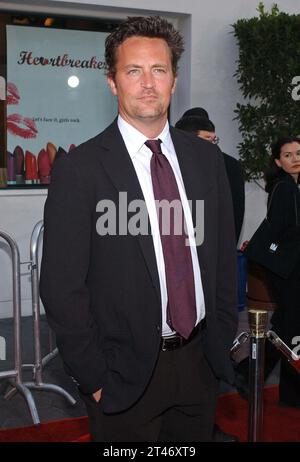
(147, 79)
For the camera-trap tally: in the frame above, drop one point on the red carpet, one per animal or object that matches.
(280, 424)
(65, 430)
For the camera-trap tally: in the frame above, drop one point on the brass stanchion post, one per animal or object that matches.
(258, 320)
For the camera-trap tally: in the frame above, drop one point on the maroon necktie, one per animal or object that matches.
(181, 308)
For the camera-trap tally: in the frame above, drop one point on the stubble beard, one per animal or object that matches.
(150, 113)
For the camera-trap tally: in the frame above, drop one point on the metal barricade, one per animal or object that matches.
(258, 320)
(40, 362)
(15, 375)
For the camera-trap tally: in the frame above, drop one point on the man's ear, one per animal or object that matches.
(174, 85)
(112, 84)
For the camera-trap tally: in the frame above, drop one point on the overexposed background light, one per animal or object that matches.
(73, 81)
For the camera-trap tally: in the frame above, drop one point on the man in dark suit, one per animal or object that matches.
(144, 322)
(196, 121)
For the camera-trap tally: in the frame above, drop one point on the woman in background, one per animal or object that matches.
(282, 180)
(284, 214)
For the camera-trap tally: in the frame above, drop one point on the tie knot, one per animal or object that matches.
(154, 145)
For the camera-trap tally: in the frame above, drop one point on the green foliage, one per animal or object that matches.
(269, 59)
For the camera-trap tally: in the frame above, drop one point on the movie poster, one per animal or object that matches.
(57, 97)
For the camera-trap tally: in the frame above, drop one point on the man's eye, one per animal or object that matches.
(159, 70)
(133, 71)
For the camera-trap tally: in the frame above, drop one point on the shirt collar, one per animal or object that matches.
(135, 140)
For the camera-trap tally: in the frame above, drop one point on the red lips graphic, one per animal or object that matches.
(21, 126)
(13, 96)
(17, 124)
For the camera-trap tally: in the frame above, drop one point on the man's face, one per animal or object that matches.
(144, 80)
(209, 136)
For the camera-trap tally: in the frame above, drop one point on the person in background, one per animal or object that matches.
(282, 178)
(196, 111)
(196, 121)
(144, 316)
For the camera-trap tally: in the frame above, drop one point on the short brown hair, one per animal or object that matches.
(151, 26)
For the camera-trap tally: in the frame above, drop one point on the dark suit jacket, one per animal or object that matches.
(237, 187)
(101, 293)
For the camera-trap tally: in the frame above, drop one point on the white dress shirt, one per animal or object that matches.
(141, 155)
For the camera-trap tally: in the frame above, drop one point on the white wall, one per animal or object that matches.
(19, 212)
(205, 79)
(207, 70)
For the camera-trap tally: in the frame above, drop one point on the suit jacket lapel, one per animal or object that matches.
(118, 166)
(194, 178)
(196, 187)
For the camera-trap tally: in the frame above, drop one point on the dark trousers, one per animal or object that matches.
(286, 323)
(178, 404)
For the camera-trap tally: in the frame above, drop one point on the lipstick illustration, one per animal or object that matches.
(31, 173)
(51, 151)
(44, 167)
(19, 164)
(11, 174)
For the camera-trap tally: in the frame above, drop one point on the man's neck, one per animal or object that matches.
(148, 127)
